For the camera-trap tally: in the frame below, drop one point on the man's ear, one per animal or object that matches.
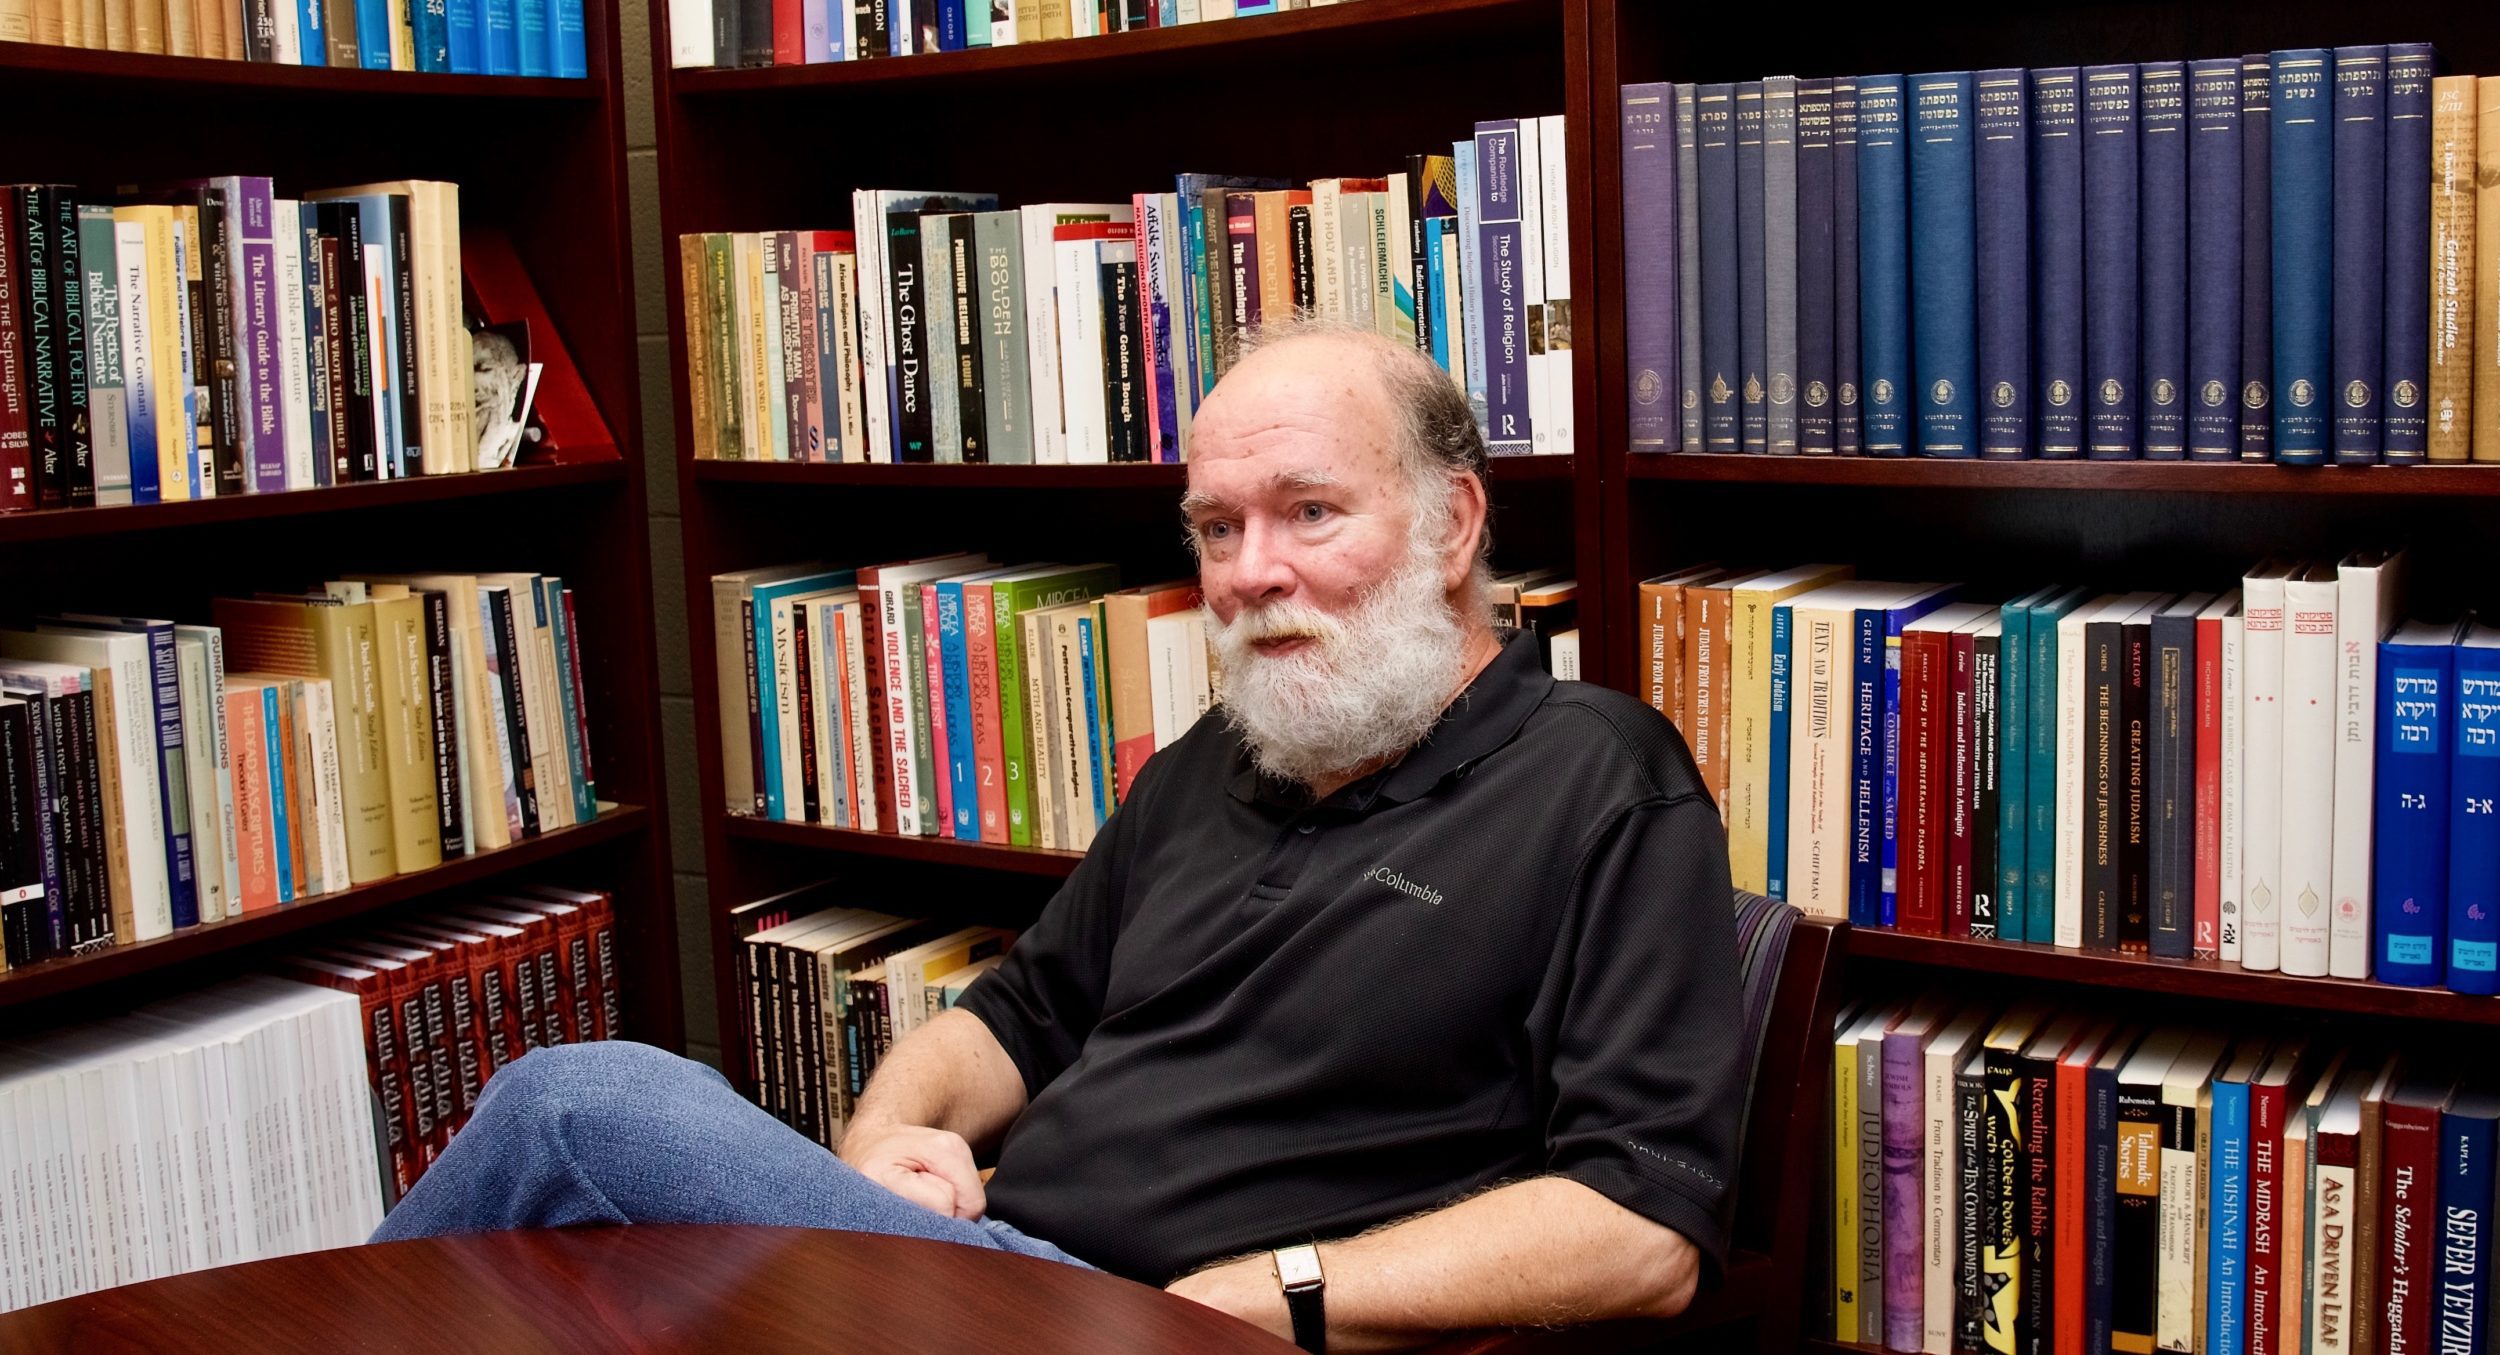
(1468, 511)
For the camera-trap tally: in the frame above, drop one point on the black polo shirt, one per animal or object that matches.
(1249, 1021)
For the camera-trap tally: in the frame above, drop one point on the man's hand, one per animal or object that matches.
(1246, 1288)
(932, 1168)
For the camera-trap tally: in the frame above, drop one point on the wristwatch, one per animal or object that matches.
(1297, 1269)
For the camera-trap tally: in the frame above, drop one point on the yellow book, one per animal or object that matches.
(403, 38)
(2452, 268)
(335, 641)
(17, 20)
(406, 700)
(759, 373)
(698, 330)
(164, 335)
(2487, 270)
(116, 823)
(1845, 1277)
(1748, 696)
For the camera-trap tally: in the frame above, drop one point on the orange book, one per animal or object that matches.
(1705, 681)
(1132, 696)
(254, 846)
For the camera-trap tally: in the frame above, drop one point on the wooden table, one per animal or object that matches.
(638, 1289)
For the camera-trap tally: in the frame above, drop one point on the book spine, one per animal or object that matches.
(2213, 261)
(2358, 247)
(1775, 806)
(17, 481)
(2104, 783)
(1872, 755)
(2256, 392)
(1994, 1304)
(2013, 772)
(2308, 810)
(2230, 882)
(1157, 308)
(2404, 382)
(253, 299)
(1753, 350)
(1817, 430)
(1974, 855)
(2261, 778)
(2112, 223)
(1848, 421)
(2162, 182)
(1649, 265)
(1499, 225)
(2170, 811)
(955, 675)
(1943, 250)
(2206, 837)
(2451, 355)
(908, 340)
(2409, 1229)
(1884, 265)
(2473, 831)
(2001, 148)
(2486, 284)
(2224, 1321)
(2410, 883)
(1714, 120)
(1925, 688)
(2303, 150)
(969, 353)
(70, 318)
(2466, 1200)
(1904, 1214)
(2134, 1267)
(2040, 844)
(1974, 1134)
(1779, 261)
(108, 398)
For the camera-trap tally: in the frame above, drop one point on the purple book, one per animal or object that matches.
(252, 248)
(1905, 1128)
(1652, 308)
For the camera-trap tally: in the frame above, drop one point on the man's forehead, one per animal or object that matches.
(1219, 489)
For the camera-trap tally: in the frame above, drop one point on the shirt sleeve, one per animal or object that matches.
(1647, 1070)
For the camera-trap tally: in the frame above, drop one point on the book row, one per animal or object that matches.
(2031, 1180)
(283, 1112)
(2279, 776)
(226, 341)
(461, 37)
(943, 328)
(2280, 257)
(156, 776)
(807, 32)
(828, 989)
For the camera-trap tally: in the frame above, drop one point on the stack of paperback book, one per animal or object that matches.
(156, 776)
(461, 37)
(2030, 1179)
(214, 339)
(806, 32)
(944, 328)
(2270, 257)
(2278, 776)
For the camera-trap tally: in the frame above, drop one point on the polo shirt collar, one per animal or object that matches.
(1482, 719)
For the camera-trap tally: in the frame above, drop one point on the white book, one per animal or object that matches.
(1940, 1206)
(2178, 1325)
(1451, 315)
(329, 794)
(868, 237)
(1003, 21)
(131, 683)
(2068, 925)
(2308, 777)
(915, 805)
(2261, 766)
(1361, 260)
(1328, 248)
(1554, 200)
(138, 347)
(1168, 676)
(212, 833)
(864, 724)
(1566, 655)
(1822, 726)
(1041, 313)
(294, 373)
(1532, 283)
(1215, 9)
(690, 34)
(2369, 586)
(286, 39)
(850, 427)
(2227, 873)
(825, 713)
(1400, 321)
(1077, 266)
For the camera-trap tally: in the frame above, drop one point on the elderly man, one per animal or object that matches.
(1400, 999)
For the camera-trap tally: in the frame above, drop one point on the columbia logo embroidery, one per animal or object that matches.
(1385, 876)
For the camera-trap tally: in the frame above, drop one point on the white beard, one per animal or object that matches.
(1369, 685)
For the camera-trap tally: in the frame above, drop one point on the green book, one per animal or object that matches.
(728, 366)
(1011, 596)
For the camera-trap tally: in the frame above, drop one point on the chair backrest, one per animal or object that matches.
(1788, 964)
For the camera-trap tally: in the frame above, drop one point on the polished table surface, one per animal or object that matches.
(648, 1288)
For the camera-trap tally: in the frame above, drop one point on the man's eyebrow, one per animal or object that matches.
(1198, 501)
(1304, 479)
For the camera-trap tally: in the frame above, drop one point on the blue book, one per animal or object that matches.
(559, 627)
(1848, 422)
(373, 34)
(312, 38)
(955, 671)
(465, 36)
(1817, 432)
(1943, 265)
(2404, 386)
(2213, 268)
(2040, 838)
(1087, 653)
(2161, 233)
(2001, 170)
(571, 54)
(952, 26)
(1497, 263)
(835, 798)
(2469, 1134)
(502, 34)
(2226, 1202)
(2014, 680)
(1753, 351)
(281, 832)
(1714, 124)
(767, 692)
(1776, 882)
(2474, 819)
(429, 28)
(532, 30)
(1651, 308)
(1888, 798)
(2057, 260)
(2256, 257)
(2303, 151)
(2409, 880)
(1866, 769)
(1436, 285)
(2111, 257)
(1884, 265)
(2357, 354)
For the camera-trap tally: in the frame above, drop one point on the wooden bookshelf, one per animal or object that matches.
(542, 160)
(1324, 108)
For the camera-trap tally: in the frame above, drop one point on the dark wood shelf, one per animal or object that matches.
(55, 524)
(1824, 1345)
(52, 977)
(945, 851)
(130, 74)
(2159, 477)
(1259, 39)
(1135, 475)
(2181, 978)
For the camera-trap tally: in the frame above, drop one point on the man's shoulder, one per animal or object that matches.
(1591, 731)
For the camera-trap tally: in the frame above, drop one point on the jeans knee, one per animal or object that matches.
(560, 1082)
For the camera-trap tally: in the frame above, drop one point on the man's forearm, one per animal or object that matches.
(950, 1074)
(1544, 1252)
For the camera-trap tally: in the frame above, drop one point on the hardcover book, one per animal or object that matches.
(1753, 345)
(1884, 265)
(2112, 255)
(2358, 232)
(2161, 143)
(2416, 677)
(1942, 263)
(1714, 120)
(2404, 386)
(2213, 260)
(2001, 140)
(2057, 260)
(2256, 400)
(2302, 151)
(1817, 429)
(1652, 299)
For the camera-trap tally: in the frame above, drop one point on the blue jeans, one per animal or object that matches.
(624, 1133)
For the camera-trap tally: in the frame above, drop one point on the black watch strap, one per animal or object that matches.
(1310, 1319)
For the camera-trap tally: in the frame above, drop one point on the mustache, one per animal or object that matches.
(1281, 621)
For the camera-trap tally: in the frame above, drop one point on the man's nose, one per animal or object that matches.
(1262, 567)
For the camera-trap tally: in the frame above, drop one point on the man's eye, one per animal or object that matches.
(1216, 531)
(1310, 513)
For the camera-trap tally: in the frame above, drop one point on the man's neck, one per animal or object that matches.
(1481, 649)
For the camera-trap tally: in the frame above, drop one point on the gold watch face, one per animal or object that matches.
(1297, 1267)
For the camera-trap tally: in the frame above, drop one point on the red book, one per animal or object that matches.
(2205, 939)
(457, 980)
(2276, 1093)
(789, 33)
(933, 671)
(872, 649)
(17, 487)
(405, 1005)
(1241, 259)
(2069, 1147)
(1924, 688)
(509, 1010)
(581, 695)
(1959, 766)
(989, 750)
(489, 1007)
(430, 1007)
(597, 962)
(384, 1066)
(2409, 1219)
(576, 989)
(542, 944)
